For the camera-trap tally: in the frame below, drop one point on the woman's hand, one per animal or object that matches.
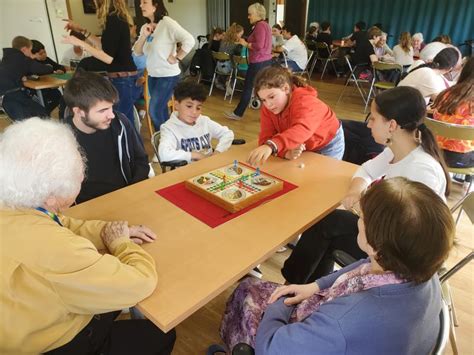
(259, 155)
(140, 234)
(299, 292)
(72, 40)
(114, 230)
(172, 59)
(351, 201)
(58, 71)
(146, 30)
(295, 153)
(71, 26)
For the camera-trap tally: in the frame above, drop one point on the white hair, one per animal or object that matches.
(39, 158)
(314, 24)
(418, 35)
(259, 10)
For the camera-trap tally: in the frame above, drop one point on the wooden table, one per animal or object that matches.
(338, 43)
(49, 81)
(196, 263)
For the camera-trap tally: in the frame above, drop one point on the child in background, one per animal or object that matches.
(293, 119)
(187, 134)
(40, 55)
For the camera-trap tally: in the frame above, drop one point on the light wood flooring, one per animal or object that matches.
(201, 329)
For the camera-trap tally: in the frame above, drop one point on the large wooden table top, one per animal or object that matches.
(46, 82)
(196, 263)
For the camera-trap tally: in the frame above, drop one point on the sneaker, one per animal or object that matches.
(255, 272)
(220, 86)
(228, 90)
(232, 116)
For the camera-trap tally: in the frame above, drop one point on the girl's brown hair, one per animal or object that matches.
(112, 7)
(448, 100)
(230, 35)
(409, 226)
(405, 41)
(276, 77)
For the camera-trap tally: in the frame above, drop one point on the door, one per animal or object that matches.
(239, 13)
(296, 12)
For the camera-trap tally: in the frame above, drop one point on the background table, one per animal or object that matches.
(49, 81)
(195, 262)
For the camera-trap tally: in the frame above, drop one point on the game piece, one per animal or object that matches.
(301, 165)
(234, 186)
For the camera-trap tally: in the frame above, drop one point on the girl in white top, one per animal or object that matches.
(158, 40)
(412, 152)
(429, 78)
(403, 51)
(187, 134)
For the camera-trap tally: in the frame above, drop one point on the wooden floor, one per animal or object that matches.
(201, 329)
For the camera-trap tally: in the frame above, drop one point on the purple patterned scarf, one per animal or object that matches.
(245, 307)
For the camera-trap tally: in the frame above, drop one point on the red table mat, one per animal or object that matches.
(206, 211)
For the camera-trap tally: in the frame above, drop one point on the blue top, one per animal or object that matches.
(391, 319)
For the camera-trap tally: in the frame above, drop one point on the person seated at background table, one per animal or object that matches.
(294, 50)
(40, 55)
(277, 38)
(396, 121)
(369, 306)
(115, 154)
(17, 63)
(382, 50)
(418, 44)
(216, 39)
(74, 53)
(62, 293)
(325, 37)
(51, 97)
(187, 135)
(364, 53)
(359, 33)
(293, 119)
(429, 78)
(313, 32)
(456, 106)
(403, 51)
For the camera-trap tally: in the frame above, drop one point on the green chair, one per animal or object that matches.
(380, 69)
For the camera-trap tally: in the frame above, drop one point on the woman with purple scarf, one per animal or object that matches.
(388, 303)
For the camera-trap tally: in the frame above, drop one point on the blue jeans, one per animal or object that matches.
(126, 91)
(160, 90)
(335, 148)
(246, 95)
(19, 106)
(293, 66)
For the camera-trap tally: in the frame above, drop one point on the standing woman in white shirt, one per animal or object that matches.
(396, 121)
(158, 40)
(403, 51)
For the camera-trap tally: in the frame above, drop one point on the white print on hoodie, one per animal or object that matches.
(178, 139)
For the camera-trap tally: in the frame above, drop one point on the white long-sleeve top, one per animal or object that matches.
(178, 139)
(162, 43)
(416, 166)
(402, 57)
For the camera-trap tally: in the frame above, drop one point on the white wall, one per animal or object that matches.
(191, 14)
(88, 21)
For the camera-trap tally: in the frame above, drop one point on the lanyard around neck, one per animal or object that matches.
(51, 215)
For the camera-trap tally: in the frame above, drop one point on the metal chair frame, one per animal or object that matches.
(378, 84)
(219, 57)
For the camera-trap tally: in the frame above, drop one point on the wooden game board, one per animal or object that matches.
(234, 186)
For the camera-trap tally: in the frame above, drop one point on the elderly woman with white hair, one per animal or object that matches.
(59, 294)
(417, 43)
(259, 43)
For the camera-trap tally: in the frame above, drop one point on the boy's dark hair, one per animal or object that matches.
(288, 28)
(360, 25)
(325, 25)
(37, 46)
(277, 26)
(190, 90)
(19, 42)
(85, 89)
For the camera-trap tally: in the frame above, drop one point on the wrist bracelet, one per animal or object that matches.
(272, 146)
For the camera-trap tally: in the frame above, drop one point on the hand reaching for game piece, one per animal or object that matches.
(259, 155)
(197, 156)
(295, 153)
(299, 292)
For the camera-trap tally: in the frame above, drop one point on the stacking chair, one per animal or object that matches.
(165, 165)
(353, 78)
(381, 69)
(236, 75)
(306, 69)
(322, 47)
(453, 131)
(219, 57)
